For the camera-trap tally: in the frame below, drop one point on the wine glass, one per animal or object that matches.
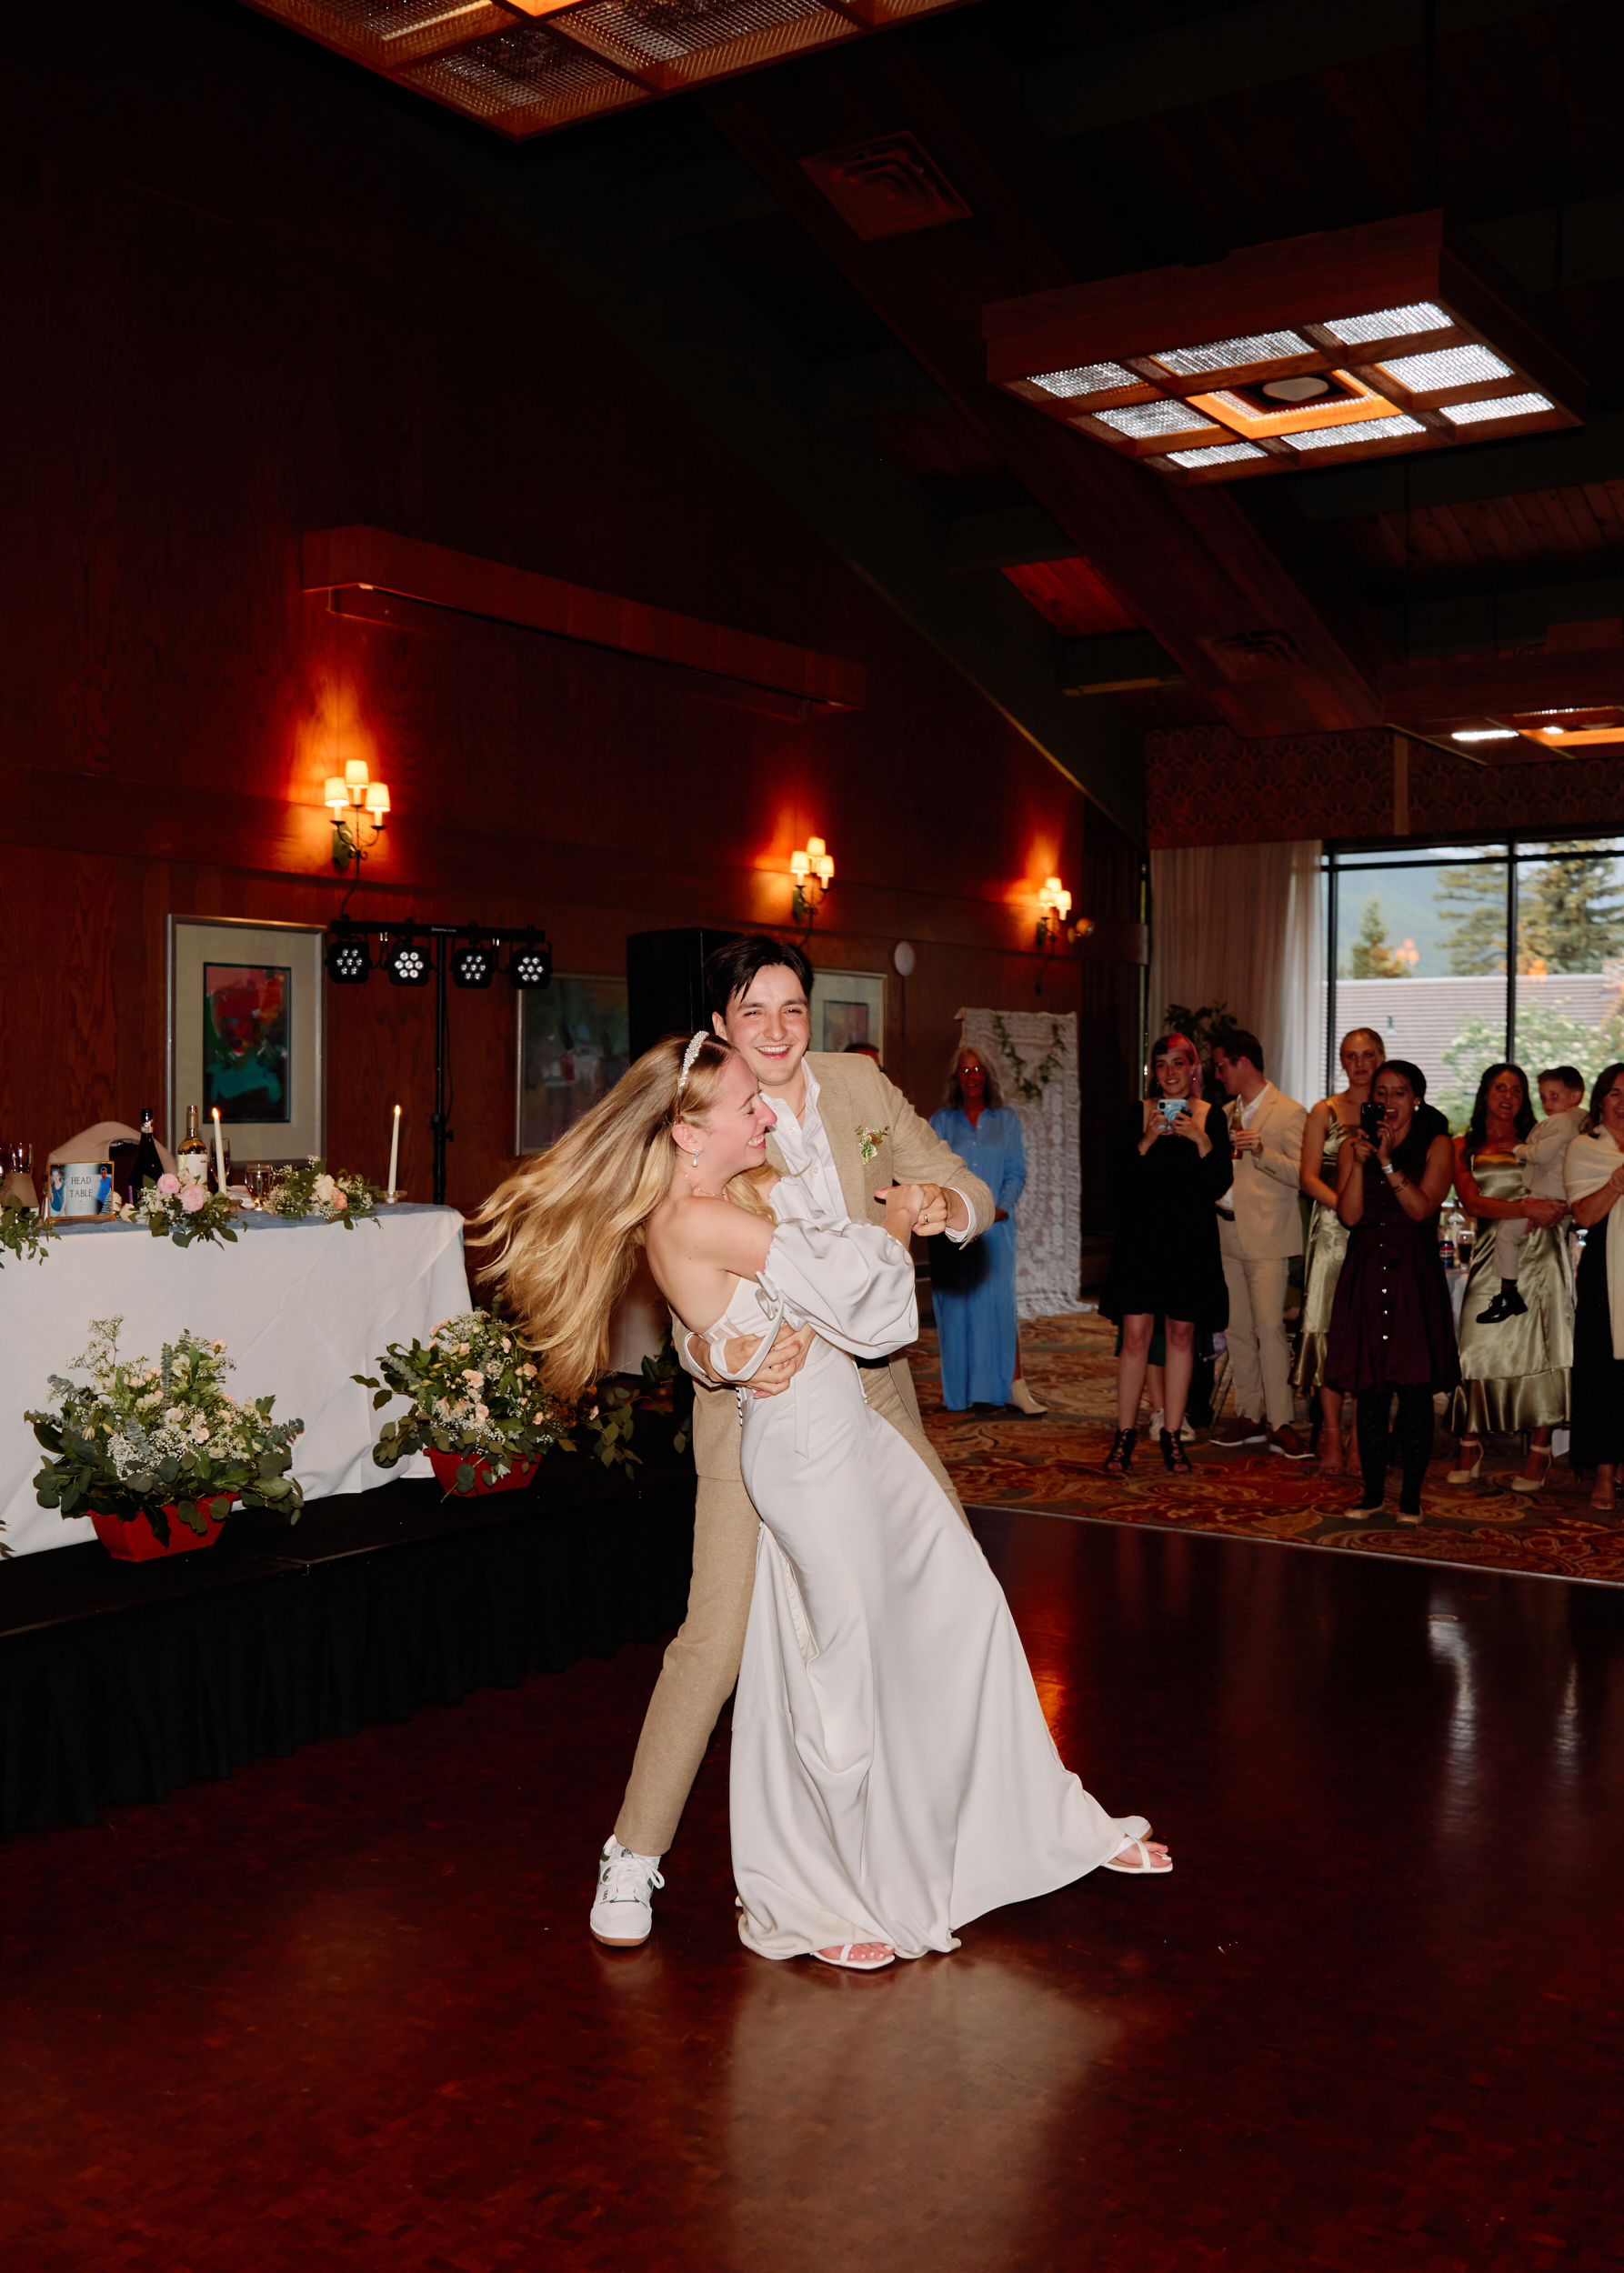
(258, 1177)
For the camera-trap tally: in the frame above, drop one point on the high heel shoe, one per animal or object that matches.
(1534, 1483)
(1119, 1459)
(1471, 1475)
(1175, 1458)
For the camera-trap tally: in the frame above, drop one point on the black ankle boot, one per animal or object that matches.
(1175, 1458)
(1119, 1459)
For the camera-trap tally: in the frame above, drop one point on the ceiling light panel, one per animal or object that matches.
(1360, 331)
(1345, 437)
(1142, 422)
(1497, 407)
(1231, 354)
(1220, 454)
(1447, 366)
(1093, 378)
(1259, 354)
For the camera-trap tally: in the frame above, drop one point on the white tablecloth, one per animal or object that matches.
(300, 1307)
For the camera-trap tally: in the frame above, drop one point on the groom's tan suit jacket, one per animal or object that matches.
(855, 1103)
(857, 1107)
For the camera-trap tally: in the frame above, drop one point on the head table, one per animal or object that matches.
(299, 1306)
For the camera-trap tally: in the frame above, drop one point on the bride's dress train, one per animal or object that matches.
(893, 1775)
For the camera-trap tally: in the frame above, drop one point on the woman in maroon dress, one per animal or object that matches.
(1392, 1330)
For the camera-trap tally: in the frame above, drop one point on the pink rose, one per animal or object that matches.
(168, 1184)
(194, 1197)
(339, 1200)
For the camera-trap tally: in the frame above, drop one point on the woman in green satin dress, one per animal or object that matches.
(1515, 1374)
(1363, 1054)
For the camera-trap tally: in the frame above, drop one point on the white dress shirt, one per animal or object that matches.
(1243, 1119)
(810, 1160)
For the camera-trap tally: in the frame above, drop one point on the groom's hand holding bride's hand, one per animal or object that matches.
(908, 1206)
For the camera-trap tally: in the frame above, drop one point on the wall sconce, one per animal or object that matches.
(351, 799)
(813, 872)
(1055, 903)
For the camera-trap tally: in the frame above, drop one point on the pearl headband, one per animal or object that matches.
(689, 1056)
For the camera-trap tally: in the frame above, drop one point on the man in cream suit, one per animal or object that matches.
(848, 1134)
(1259, 1230)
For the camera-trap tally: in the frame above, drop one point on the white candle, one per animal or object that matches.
(219, 1150)
(394, 1151)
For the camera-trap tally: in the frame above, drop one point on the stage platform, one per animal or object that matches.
(123, 1681)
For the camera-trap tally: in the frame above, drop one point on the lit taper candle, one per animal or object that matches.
(394, 1151)
(219, 1150)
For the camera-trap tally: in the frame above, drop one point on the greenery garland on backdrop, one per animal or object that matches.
(139, 1437)
(1031, 1083)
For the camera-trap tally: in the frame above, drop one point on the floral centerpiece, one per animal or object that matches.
(480, 1409)
(141, 1439)
(311, 1191)
(183, 1212)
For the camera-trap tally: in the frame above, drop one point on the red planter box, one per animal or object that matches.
(445, 1465)
(137, 1541)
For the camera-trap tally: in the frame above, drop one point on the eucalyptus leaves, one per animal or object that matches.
(1030, 1085)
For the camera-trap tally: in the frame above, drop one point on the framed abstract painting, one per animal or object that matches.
(849, 1011)
(245, 1032)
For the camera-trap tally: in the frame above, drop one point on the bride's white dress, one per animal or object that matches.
(893, 1775)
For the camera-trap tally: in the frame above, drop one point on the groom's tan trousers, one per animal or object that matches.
(701, 1665)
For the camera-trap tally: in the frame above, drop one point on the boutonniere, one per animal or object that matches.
(869, 1140)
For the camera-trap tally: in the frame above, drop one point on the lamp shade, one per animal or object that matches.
(378, 798)
(355, 772)
(336, 797)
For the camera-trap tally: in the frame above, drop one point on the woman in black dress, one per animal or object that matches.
(1392, 1330)
(1170, 1164)
(1594, 1171)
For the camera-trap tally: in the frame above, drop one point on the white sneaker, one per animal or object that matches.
(623, 1913)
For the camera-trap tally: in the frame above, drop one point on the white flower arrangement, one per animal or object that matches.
(311, 1191)
(179, 1209)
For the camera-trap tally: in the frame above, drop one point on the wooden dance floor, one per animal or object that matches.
(341, 2010)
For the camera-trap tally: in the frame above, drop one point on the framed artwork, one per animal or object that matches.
(574, 1046)
(847, 1007)
(245, 1032)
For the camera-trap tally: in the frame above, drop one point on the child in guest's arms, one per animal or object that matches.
(1562, 1101)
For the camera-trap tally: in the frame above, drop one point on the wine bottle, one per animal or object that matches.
(192, 1153)
(149, 1160)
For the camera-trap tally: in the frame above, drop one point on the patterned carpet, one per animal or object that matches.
(997, 1459)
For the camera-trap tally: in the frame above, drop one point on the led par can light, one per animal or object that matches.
(473, 965)
(348, 960)
(530, 964)
(407, 962)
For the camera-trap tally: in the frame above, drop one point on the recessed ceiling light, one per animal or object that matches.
(1487, 734)
(1446, 367)
(1220, 454)
(1344, 437)
(1497, 407)
(1086, 378)
(1303, 390)
(1230, 355)
(1143, 420)
(1353, 331)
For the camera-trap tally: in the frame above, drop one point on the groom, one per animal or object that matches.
(846, 1132)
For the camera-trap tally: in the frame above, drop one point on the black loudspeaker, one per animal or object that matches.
(665, 982)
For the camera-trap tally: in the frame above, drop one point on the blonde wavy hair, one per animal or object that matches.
(565, 1229)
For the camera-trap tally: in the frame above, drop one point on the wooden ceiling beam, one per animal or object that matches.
(1439, 693)
(1190, 563)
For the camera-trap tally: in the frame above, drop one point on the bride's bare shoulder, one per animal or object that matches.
(706, 1230)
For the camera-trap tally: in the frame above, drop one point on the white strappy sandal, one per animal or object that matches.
(1143, 1868)
(844, 1958)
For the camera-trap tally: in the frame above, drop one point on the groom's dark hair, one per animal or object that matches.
(731, 969)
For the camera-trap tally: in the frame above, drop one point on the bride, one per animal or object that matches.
(892, 1776)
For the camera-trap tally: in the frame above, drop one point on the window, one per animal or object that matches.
(1461, 955)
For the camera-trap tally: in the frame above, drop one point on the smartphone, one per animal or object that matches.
(1171, 1107)
(1373, 1120)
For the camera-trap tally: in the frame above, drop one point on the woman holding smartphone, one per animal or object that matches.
(1170, 1164)
(1392, 1330)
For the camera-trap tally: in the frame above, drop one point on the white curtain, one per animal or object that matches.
(1242, 925)
(1039, 1048)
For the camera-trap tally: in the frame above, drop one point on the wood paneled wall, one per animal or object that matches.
(246, 305)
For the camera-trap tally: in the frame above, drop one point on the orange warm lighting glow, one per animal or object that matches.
(1232, 410)
(378, 798)
(1054, 899)
(355, 772)
(337, 798)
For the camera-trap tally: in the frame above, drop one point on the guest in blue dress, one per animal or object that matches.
(972, 1287)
